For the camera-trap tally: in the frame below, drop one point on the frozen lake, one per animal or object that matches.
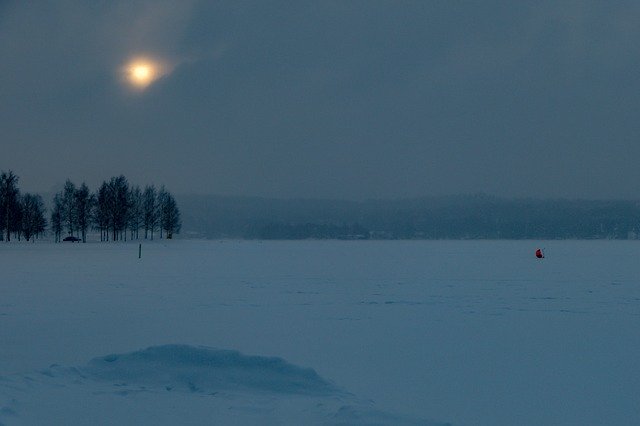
(464, 332)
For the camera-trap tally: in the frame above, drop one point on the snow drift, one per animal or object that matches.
(207, 370)
(182, 384)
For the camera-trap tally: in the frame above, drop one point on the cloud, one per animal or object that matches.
(73, 42)
(343, 99)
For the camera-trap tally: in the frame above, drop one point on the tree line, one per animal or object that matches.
(20, 214)
(475, 216)
(117, 210)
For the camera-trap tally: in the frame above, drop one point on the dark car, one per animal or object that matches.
(72, 239)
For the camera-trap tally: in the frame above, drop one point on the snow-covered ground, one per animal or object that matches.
(320, 332)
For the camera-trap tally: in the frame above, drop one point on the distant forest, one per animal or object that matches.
(446, 217)
(115, 210)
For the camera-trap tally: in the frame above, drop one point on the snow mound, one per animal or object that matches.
(181, 384)
(207, 370)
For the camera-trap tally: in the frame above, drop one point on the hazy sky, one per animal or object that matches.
(323, 99)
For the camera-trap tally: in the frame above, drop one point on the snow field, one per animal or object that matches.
(467, 332)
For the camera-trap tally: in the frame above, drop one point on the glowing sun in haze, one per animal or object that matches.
(140, 73)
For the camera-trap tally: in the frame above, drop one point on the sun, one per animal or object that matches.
(140, 73)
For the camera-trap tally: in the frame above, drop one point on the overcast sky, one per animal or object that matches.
(325, 99)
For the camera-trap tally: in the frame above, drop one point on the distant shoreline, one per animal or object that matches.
(465, 217)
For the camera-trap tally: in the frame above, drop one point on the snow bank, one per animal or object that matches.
(207, 370)
(189, 385)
